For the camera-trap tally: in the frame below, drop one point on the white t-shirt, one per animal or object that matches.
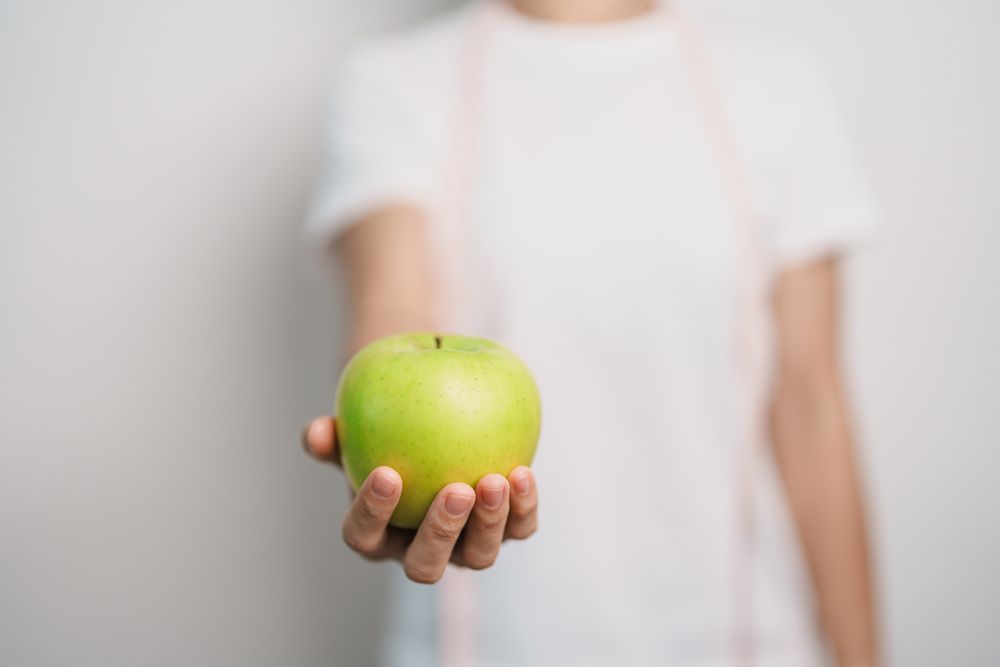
(601, 236)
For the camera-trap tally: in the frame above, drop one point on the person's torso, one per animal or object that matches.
(603, 251)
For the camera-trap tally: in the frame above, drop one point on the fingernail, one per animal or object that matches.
(493, 496)
(522, 483)
(384, 485)
(457, 504)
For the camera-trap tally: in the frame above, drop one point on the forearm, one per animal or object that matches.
(387, 268)
(367, 326)
(815, 456)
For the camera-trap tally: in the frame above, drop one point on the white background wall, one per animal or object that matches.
(160, 344)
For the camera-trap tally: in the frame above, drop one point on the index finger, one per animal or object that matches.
(319, 440)
(365, 527)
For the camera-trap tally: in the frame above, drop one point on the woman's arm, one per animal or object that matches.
(388, 270)
(387, 266)
(814, 450)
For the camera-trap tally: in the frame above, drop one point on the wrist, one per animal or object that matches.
(858, 661)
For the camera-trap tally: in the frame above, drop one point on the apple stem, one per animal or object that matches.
(437, 342)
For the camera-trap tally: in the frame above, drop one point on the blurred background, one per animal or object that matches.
(162, 339)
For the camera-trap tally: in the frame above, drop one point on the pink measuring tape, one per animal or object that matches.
(457, 599)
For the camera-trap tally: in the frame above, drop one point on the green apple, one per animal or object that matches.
(437, 409)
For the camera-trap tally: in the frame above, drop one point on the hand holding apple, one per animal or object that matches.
(425, 552)
(421, 420)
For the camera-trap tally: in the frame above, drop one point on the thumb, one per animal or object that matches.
(319, 440)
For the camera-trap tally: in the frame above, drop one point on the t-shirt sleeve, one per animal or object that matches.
(373, 154)
(817, 204)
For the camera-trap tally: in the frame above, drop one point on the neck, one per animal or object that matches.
(582, 11)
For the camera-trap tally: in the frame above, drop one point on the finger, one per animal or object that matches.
(523, 520)
(485, 529)
(319, 440)
(431, 549)
(364, 528)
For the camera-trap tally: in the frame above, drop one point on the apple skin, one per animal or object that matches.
(437, 408)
